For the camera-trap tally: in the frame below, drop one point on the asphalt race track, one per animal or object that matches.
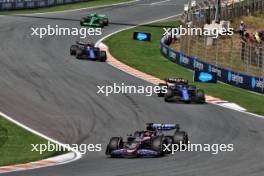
(42, 86)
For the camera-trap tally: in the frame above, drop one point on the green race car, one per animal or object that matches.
(94, 20)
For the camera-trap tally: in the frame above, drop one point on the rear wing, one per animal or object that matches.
(162, 126)
(176, 80)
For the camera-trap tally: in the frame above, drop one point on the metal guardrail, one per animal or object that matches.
(33, 4)
(227, 76)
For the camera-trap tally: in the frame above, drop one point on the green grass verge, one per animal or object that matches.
(146, 57)
(15, 145)
(64, 7)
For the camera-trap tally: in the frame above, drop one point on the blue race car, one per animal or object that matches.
(178, 89)
(146, 143)
(87, 51)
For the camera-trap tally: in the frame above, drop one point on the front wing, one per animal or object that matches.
(136, 153)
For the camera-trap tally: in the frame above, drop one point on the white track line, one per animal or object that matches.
(162, 19)
(77, 153)
(160, 2)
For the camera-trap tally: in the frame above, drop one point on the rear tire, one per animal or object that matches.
(168, 95)
(180, 137)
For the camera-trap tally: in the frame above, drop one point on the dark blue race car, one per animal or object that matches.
(88, 51)
(147, 143)
(178, 89)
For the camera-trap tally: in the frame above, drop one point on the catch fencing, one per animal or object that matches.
(231, 52)
(204, 12)
(225, 75)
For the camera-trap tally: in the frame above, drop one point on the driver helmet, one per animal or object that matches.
(147, 134)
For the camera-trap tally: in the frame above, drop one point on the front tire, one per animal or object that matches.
(101, 23)
(106, 22)
(160, 93)
(180, 137)
(157, 145)
(168, 141)
(115, 143)
(78, 53)
(200, 96)
(103, 56)
(73, 49)
(83, 20)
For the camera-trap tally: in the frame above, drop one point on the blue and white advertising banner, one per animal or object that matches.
(237, 79)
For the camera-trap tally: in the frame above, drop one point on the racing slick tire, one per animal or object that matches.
(103, 56)
(101, 22)
(115, 143)
(160, 93)
(200, 96)
(157, 145)
(78, 53)
(168, 141)
(73, 49)
(85, 19)
(106, 22)
(180, 137)
(169, 95)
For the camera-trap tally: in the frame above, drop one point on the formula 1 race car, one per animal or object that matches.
(147, 143)
(94, 20)
(87, 51)
(178, 89)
